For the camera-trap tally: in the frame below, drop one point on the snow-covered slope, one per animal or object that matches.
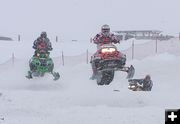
(74, 99)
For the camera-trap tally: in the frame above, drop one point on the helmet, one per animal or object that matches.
(43, 34)
(105, 29)
(147, 78)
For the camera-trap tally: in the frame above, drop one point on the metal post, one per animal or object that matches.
(156, 45)
(91, 40)
(62, 58)
(133, 50)
(56, 38)
(13, 58)
(87, 57)
(19, 37)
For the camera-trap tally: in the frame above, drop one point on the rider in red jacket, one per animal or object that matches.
(104, 37)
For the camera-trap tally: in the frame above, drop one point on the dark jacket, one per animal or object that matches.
(146, 85)
(41, 40)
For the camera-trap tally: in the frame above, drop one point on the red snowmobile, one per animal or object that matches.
(106, 61)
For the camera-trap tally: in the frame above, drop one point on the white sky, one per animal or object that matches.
(81, 19)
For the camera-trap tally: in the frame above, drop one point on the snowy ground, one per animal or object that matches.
(74, 99)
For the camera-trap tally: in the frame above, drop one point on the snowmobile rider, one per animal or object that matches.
(44, 41)
(104, 37)
(42, 45)
(145, 83)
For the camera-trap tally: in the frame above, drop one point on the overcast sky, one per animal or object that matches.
(81, 19)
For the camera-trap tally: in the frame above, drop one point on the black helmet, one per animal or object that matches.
(43, 34)
(147, 78)
(105, 29)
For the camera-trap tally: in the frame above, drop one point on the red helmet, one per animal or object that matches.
(105, 29)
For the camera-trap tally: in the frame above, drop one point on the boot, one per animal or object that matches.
(94, 75)
(29, 76)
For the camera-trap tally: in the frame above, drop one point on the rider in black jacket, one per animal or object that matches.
(145, 83)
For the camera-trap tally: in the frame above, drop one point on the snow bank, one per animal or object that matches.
(74, 99)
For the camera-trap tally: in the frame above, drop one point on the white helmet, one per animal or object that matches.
(105, 29)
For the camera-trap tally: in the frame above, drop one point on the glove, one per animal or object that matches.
(35, 47)
(130, 80)
(50, 48)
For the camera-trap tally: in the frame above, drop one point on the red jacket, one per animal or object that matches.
(100, 39)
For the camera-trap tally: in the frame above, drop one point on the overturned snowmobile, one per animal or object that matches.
(144, 84)
(107, 60)
(40, 64)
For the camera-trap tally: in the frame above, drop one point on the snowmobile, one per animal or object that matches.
(143, 84)
(135, 86)
(40, 64)
(107, 60)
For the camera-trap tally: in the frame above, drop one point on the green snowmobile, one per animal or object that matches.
(40, 64)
